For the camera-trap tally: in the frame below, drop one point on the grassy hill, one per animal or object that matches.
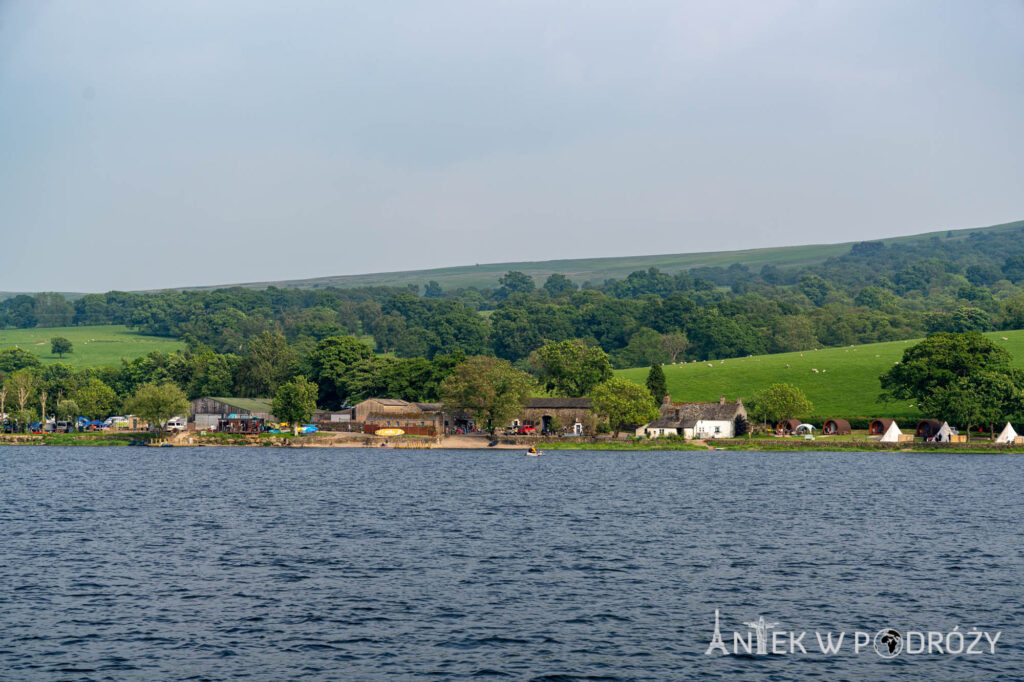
(846, 384)
(93, 346)
(595, 269)
(600, 269)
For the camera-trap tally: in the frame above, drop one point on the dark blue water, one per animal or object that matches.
(360, 564)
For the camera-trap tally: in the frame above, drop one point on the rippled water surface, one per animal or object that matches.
(217, 563)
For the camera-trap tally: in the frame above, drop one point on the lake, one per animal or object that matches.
(220, 563)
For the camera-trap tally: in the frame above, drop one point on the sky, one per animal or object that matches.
(163, 144)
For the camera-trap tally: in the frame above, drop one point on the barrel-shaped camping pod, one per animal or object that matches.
(926, 428)
(788, 426)
(879, 427)
(836, 427)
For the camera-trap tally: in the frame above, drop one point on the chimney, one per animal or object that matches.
(739, 400)
(721, 400)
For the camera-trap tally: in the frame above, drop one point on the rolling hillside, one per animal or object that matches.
(600, 269)
(846, 384)
(93, 346)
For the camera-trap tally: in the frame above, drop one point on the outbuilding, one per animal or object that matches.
(207, 412)
(836, 427)
(696, 420)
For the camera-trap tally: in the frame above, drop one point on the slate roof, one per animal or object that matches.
(390, 402)
(672, 423)
(559, 403)
(717, 411)
(686, 415)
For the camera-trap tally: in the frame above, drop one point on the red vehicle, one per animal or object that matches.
(527, 428)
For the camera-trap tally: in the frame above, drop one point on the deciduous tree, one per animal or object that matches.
(490, 388)
(23, 386)
(12, 359)
(60, 345)
(267, 364)
(624, 404)
(295, 401)
(156, 403)
(68, 410)
(331, 364)
(95, 399)
(939, 362)
(674, 344)
(570, 368)
(778, 402)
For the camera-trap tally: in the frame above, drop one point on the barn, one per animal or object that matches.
(926, 428)
(836, 427)
(878, 427)
(207, 412)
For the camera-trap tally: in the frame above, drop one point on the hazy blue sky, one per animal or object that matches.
(152, 144)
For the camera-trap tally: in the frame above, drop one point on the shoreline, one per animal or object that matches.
(366, 441)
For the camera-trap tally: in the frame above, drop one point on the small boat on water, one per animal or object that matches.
(534, 452)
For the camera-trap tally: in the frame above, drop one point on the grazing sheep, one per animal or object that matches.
(787, 365)
(710, 365)
(823, 371)
(814, 370)
(1004, 338)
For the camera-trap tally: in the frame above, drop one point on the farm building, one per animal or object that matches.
(788, 426)
(878, 427)
(382, 406)
(555, 414)
(927, 428)
(425, 419)
(241, 424)
(836, 427)
(337, 416)
(696, 420)
(372, 414)
(206, 413)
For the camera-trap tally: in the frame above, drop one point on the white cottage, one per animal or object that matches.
(695, 420)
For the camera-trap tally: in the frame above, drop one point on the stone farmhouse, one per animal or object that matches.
(695, 420)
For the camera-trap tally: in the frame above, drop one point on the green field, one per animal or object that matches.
(93, 346)
(846, 384)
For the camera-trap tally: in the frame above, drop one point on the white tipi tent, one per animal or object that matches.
(944, 434)
(1007, 435)
(892, 434)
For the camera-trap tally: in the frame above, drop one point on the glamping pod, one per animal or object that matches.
(788, 426)
(836, 427)
(879, 427)
(927, 428)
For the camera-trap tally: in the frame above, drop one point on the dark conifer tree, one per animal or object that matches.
(656, 383)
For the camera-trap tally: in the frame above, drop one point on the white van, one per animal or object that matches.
(177, 424)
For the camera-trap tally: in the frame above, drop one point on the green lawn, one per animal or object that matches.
(846, 384)
(93, 346)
